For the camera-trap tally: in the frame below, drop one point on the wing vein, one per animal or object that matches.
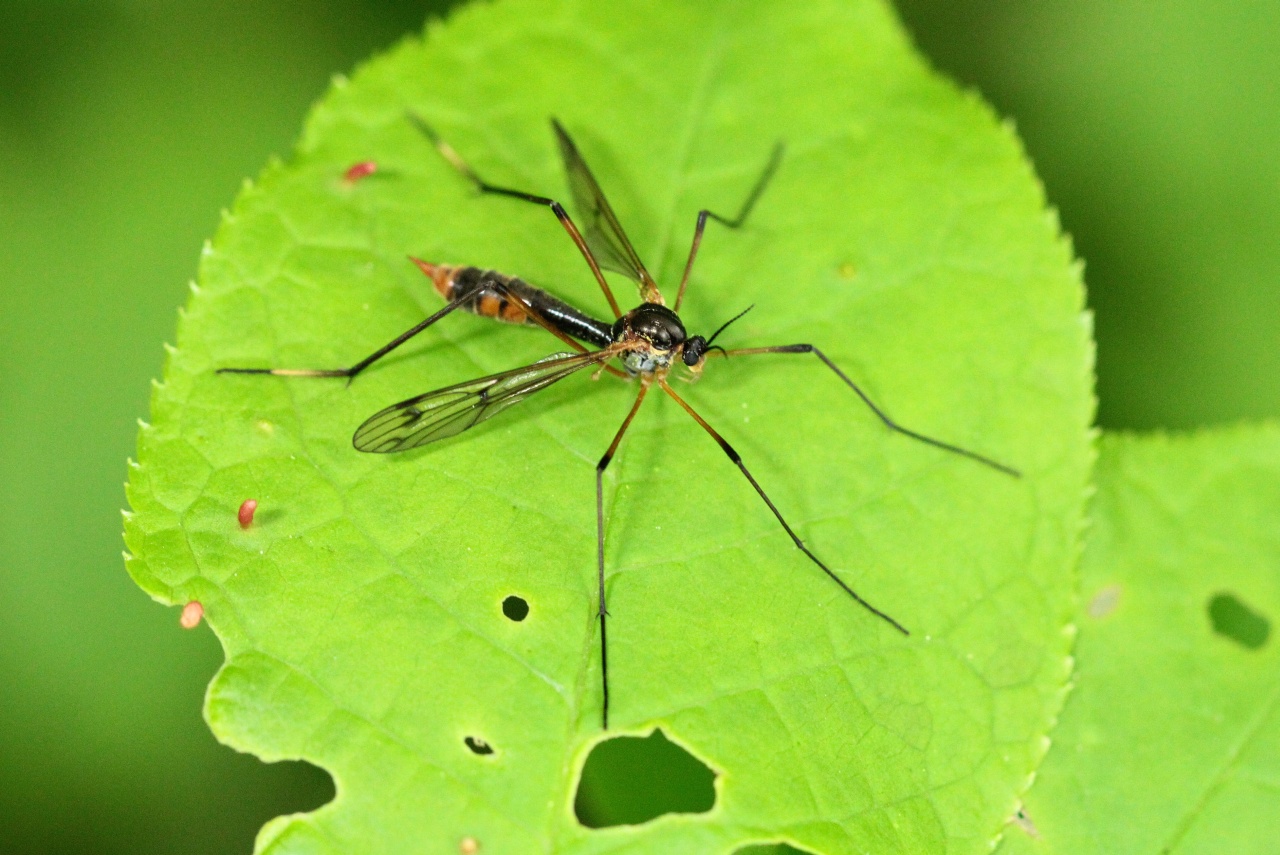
(451, 410)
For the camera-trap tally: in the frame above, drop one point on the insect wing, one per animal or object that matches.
(449, 411)
(602, 231)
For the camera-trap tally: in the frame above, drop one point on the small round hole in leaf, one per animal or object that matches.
(628, 780)
(478, 745)
(516, 608)
(1235, 620)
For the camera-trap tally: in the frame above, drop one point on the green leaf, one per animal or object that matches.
(361, 614)
(1154, 128)
(1171, 741)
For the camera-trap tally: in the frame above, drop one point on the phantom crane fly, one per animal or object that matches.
(648, 342)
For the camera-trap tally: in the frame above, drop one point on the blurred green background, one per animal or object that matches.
(126, 126)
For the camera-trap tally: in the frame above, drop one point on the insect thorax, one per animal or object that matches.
(658, 333)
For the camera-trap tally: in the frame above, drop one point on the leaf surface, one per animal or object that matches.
(1170, 743)
(904, 233)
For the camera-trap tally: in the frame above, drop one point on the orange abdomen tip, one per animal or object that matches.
(440, 274)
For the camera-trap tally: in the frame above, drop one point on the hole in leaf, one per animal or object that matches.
(771, 849)
(262, 791)
(478, 745)
(1237, 621)
(515, 608)
(628, 780)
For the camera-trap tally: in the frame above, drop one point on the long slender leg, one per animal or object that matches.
(353, 370)
(750, 202)
(455, 160)
(737, 461)
(603, 612)
(883, 416)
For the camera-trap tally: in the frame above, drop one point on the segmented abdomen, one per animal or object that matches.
(487, 290)
(487, 293)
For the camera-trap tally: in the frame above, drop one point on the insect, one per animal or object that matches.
(648, 342)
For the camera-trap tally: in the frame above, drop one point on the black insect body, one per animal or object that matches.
(647, 341)
(659, 327)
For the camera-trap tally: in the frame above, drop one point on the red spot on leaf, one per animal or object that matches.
(246, 512)
(363, 169)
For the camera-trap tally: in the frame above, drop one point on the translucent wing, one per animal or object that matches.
(449, 411)
(600, 226)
